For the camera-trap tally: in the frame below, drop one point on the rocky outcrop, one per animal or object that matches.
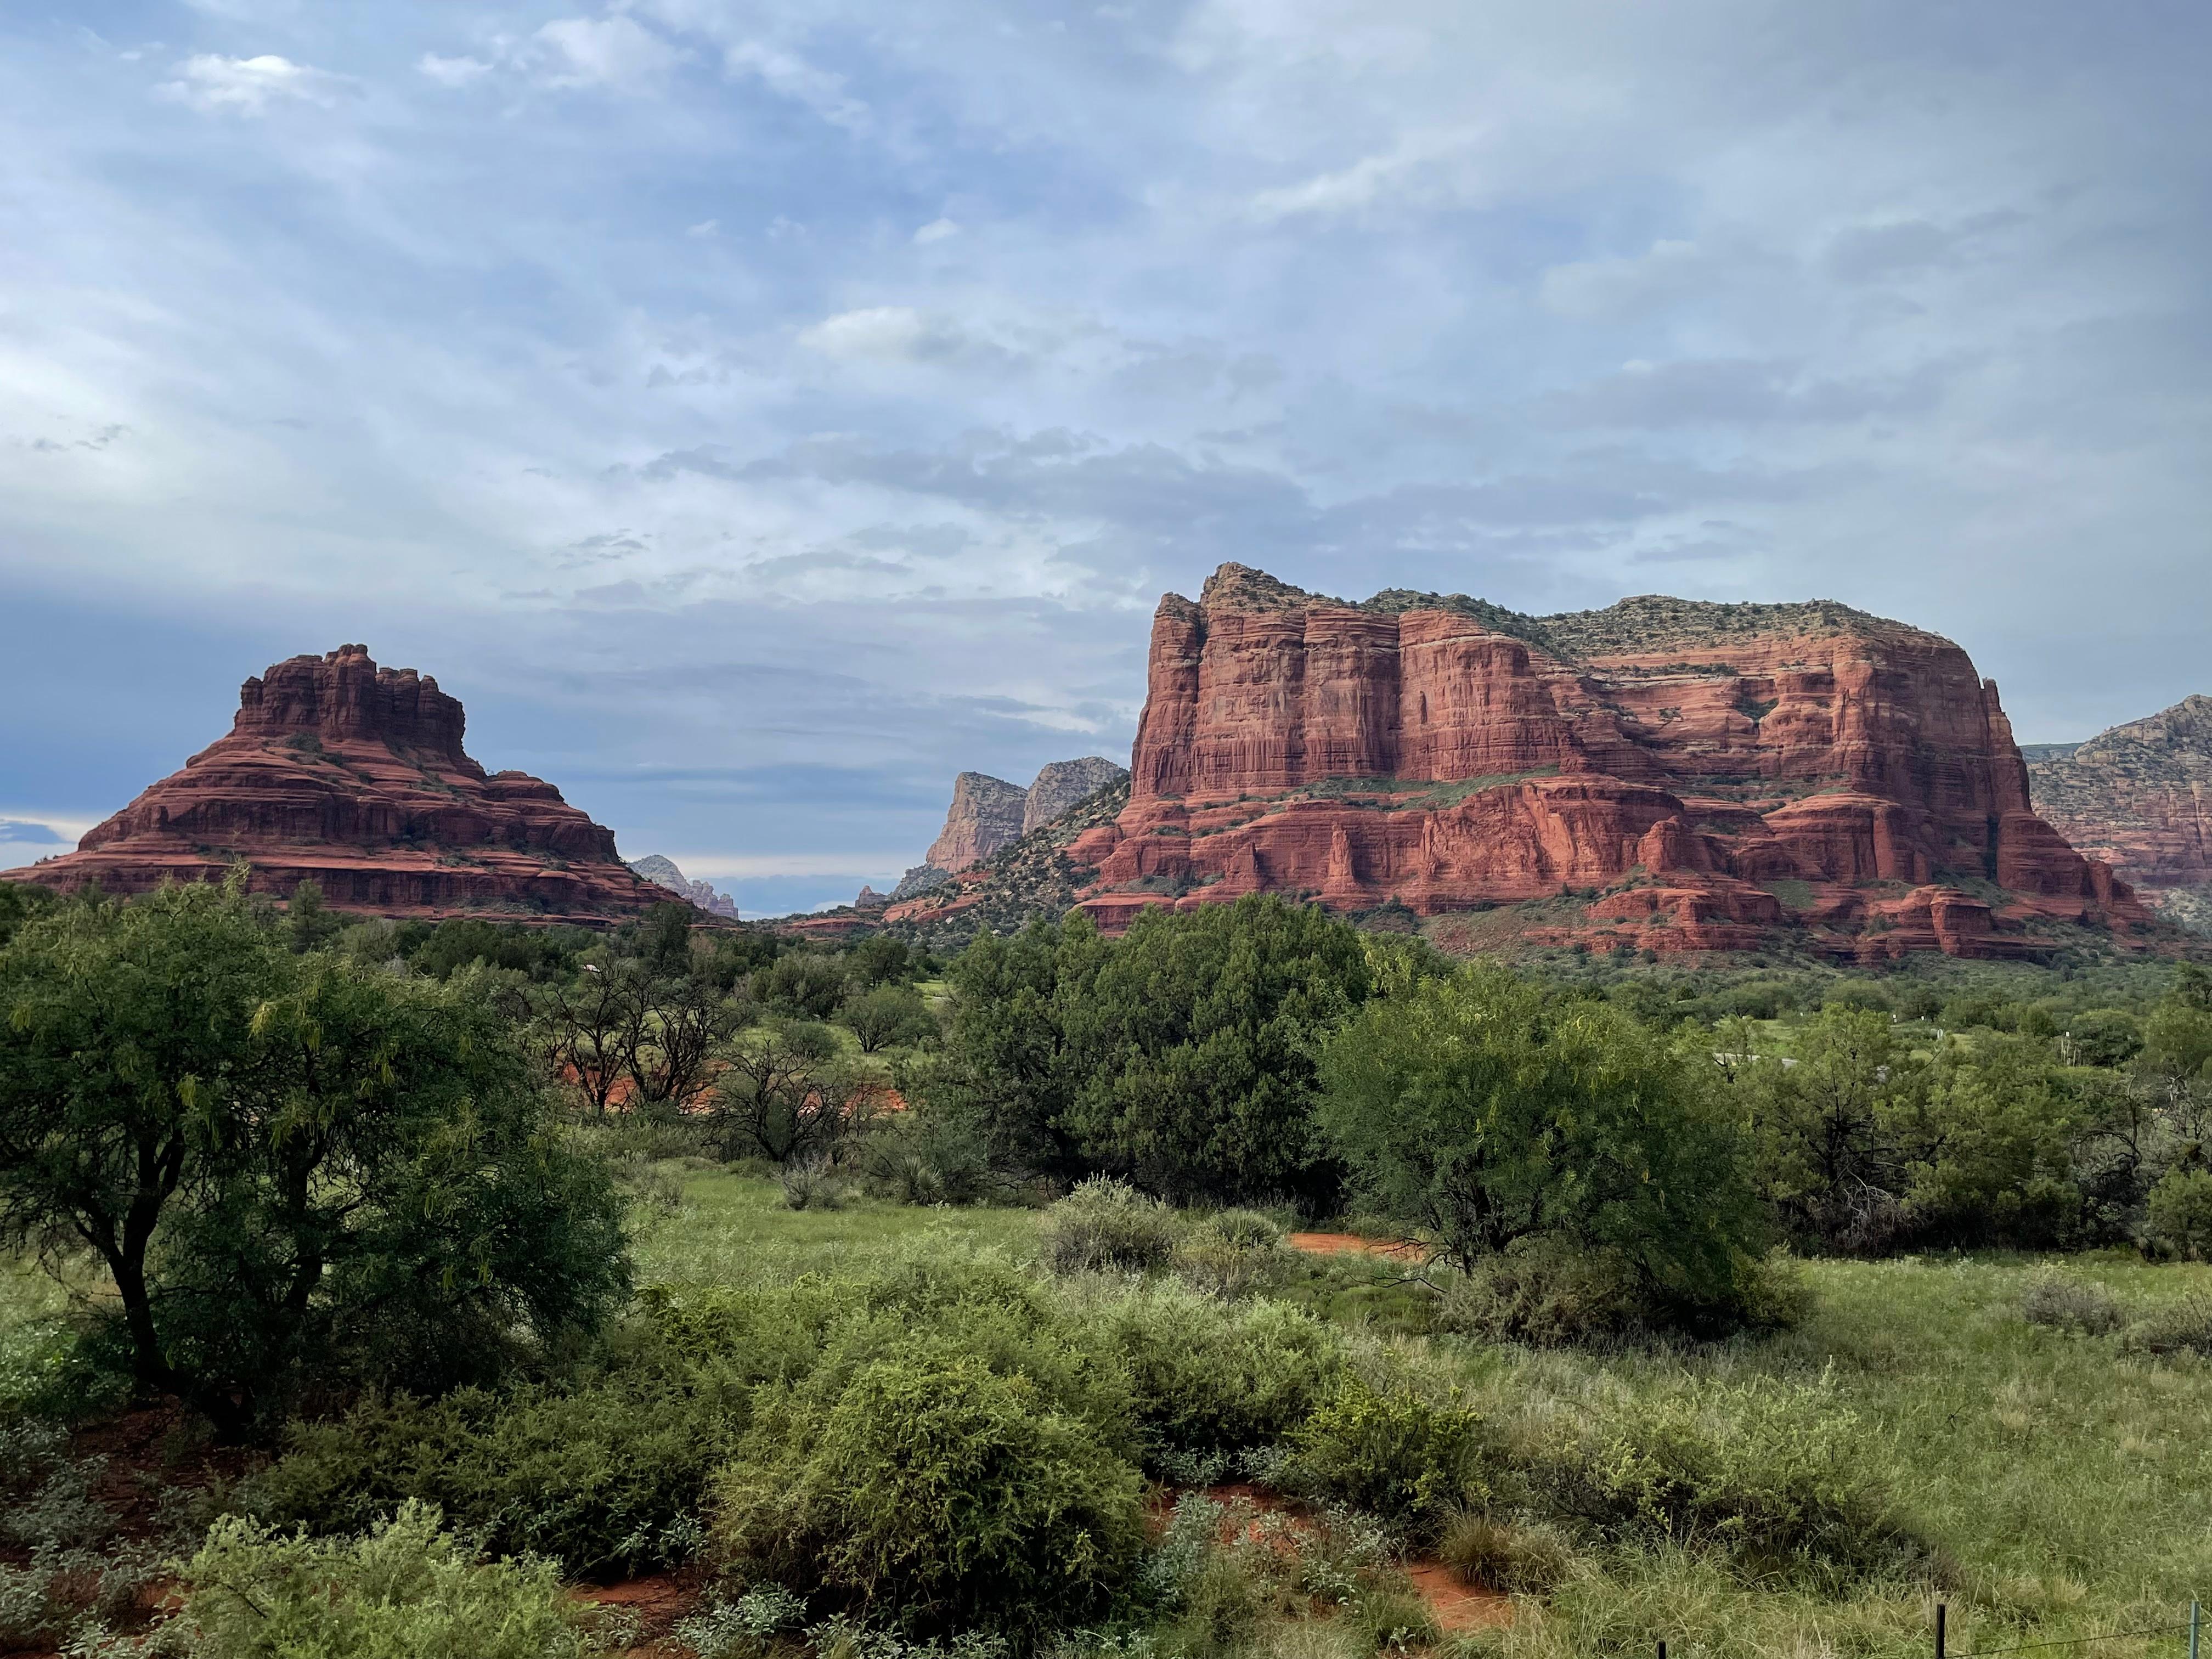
(986, 815)
(662, 873)
(1701, 774)
(918, 880)
(352, 776)
(870, 899)
(2139, 797)
(1060, 785)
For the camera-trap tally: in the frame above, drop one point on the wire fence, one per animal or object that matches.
(2191, 1627)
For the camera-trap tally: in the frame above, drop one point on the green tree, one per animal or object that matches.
(803, 984)
(1198, 1043)
(290, 1167)
(879, 959)
(1485, 1111)
(306, 922)
(887, 1015)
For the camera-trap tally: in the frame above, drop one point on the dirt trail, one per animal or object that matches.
(1353, 1244)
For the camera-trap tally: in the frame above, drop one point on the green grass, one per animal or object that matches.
(733, 1228)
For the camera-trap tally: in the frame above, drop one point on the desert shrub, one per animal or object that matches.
(888, 1015)
(607, 1480)
(1106, 1224)
(1483, 1109)
(409, 1589)
(1232, 1253)
(810, 1187)
(930, 1492)
(1548, 1293)
(925, 1157)
(2183, 1327)
(1761, 1469)
(2178, 1219)
(1525, 1558)
(2104, 1036)
(744, 1628)
(1389, 1618)
(75, 1570)
(46, 1495)
(802, 984)
(1208, 1381)
(1394, 1454)
(2066, 1303)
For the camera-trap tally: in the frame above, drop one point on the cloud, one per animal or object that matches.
(899, 334)
(1408, 170)
(935, 231)
(615, 50)
(789, 75)
(31, 832)
(1740, 391)
(213, 84)
(452, 71)
(1669, 271)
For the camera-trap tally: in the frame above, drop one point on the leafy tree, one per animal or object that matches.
(879, 959)
(673, 1030)
(19, 902)
(802, 984)
(662, 939)
(1485, 1111)
(289, 1166)
(785, 1094)
(1198, 1043)
(308, 924)
(887, 1015)
(1009, 1072)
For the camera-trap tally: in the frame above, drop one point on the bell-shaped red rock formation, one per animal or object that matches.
(1446, 754)
(352, 776)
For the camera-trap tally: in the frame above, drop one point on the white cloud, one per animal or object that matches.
(708, 867)
(614, 52)
(1589, 288)
(1409, 169)
(212, 83)
(790, 76)
(898, 334)
(704, 230)
(452, 71)
(935, 231)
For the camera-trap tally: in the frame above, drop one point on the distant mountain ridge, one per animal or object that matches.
(662, 871)
(2140, 797)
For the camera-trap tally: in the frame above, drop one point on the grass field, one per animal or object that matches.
(2065, 1484)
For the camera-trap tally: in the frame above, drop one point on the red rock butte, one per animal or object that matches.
(352, 776)
(1702, 774)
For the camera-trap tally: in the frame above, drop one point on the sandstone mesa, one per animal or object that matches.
(352, 776)
(1702, 773)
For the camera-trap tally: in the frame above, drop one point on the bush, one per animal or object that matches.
(888, 1015)
(1106, 1224)
(1395, 1455)
(2071, 1304)
(1232, 1253)
(1547, 1292)
(1389, 1619)
(607, 1480)
(932, 1493)
(923, 1157)
(2177, 1220)
(409, 1589)
(1510, 1560)
(2183, 1327)
(802, 984)
(1210, 1381)
(1762, 1470)
(810, 1187)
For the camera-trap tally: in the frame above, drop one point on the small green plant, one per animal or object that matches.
(929, 1492)
(1396, 1456)
(810, 1187)
(1524, 1560)
(2066, 1303)
(1107, 1225)
(408, 1588)
(2178, 1217)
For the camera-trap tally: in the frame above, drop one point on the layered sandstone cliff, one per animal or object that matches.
(2139, 797)
(989, 814)
(986, 814)
(1705, 773)
(352, 776)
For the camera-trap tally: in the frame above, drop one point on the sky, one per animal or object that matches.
(756, 413)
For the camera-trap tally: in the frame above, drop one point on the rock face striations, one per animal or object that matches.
(1696, 775)
(986, 814)
(1059, 785)
(352, 776)
(2139, 797)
